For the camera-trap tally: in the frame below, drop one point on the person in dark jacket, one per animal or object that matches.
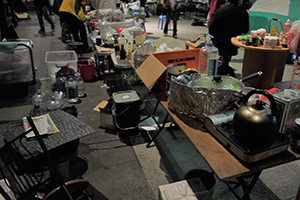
(229, 21)
(7, 21)
(42, 10)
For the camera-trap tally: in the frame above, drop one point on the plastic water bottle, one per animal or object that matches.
(138, 35)
(208, 58)
(286, 27)
(37, 111)
(39, 98)
(80, 83)
(54, 102)
(71, 90)
(60, 83)
(212, 63)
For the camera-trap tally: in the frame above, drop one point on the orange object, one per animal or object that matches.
(271, 91)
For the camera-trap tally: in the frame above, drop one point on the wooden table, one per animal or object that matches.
(224, 165)
(271, 61)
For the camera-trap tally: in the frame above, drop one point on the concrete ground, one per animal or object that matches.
(119, 171)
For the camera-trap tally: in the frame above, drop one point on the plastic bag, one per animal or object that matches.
(293, 37)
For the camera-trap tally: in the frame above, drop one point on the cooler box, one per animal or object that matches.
(126, 105)
(55, 59)
(288, 109)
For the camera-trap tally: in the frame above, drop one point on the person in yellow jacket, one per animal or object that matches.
(71, 12)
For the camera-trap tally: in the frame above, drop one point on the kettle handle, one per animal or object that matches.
(266, 94)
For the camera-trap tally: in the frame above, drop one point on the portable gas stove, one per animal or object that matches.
(220, 126)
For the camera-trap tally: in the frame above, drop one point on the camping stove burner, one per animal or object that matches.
(248, 153)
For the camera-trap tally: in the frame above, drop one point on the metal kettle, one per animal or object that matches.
(255, 124)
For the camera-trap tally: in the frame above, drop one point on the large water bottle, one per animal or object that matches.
(39, 98)
(80, 83)
(71, 90)
(208, 58)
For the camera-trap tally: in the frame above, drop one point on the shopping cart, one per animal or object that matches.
(17, 70)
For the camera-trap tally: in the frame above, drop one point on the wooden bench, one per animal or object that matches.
(190, 44)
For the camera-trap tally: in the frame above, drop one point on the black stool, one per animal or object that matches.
(77, 46)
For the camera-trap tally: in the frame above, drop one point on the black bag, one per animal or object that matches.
(197, 21)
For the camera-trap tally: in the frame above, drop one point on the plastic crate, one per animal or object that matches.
(54, 59)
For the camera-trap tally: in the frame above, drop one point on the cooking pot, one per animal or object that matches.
(222, 82)
(255, 124)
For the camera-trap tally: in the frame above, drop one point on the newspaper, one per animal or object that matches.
(43, 123)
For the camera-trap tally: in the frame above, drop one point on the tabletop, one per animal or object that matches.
(238, 43)
(222, 162)
(70, 129)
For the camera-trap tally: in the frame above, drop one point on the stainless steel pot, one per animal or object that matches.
(193, 98)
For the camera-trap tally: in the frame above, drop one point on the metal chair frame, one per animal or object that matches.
(20, 178)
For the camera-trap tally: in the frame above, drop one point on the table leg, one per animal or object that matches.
(159, 130)
(246, 188)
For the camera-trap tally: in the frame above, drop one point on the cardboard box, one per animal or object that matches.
(153, 71)
(192, 189)
(106, 117)
(178, 190)
(288, 109)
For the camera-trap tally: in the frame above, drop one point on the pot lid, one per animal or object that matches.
(218, 82)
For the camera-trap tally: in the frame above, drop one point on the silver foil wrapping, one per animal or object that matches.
(198, 102)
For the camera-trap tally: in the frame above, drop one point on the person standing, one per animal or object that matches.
(170, 8)
(229, 21)
(42, 10)
(65, 29)
(7, 21)
(71, 12)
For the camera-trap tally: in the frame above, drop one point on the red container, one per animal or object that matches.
(87, 68)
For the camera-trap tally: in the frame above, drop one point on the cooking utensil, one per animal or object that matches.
(256, 123)
(223, 82)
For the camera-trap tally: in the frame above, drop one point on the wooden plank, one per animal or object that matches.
(190, 44)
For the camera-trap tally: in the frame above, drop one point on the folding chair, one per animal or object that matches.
(27, 183)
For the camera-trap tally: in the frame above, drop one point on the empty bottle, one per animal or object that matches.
(71, 90)
(39, 98)
(80, 83)
(61, 82)
(54, 103)
(37, 111)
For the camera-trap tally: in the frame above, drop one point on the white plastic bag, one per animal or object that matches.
(293, 37)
